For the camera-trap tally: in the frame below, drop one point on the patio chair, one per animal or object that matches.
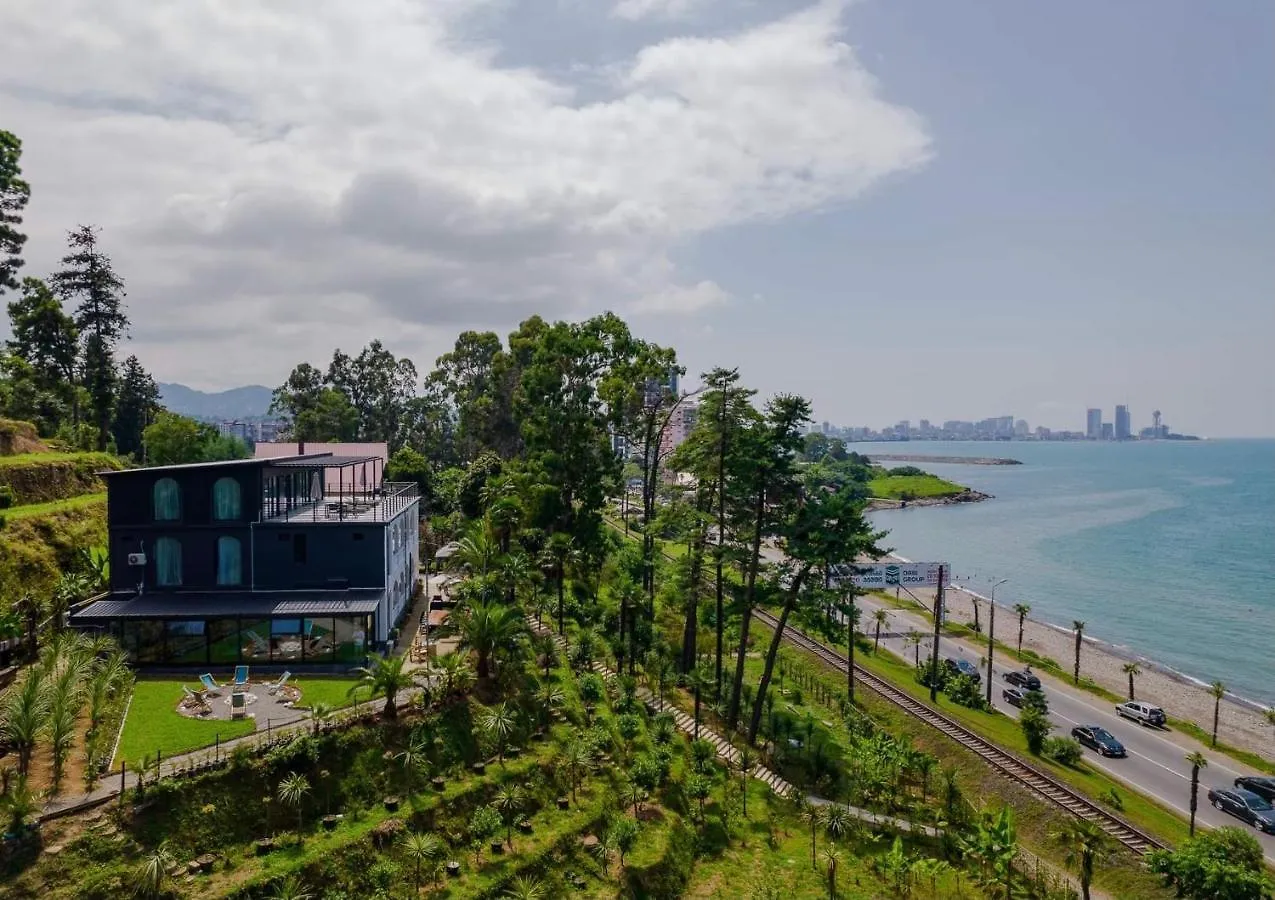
(211, 688)
(277, 686)
(238, 705)
(241, 678)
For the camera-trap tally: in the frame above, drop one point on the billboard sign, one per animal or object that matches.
(874, 576)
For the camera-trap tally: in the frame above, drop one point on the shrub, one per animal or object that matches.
(6, 496)
(906, 471)
(964, 690)
(667, 876)
(1222, 863)
(1036, 729)
(1062, 750)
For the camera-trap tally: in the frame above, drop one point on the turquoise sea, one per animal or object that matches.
(1166, 548)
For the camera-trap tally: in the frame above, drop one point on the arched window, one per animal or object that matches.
(167, 498)
(229, 561)
(226, 500)
(168, 562)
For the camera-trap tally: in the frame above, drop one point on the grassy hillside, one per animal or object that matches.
(45, 477)
(35, 548)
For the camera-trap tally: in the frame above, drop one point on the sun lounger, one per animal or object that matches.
(277, 686)
(241, 677)
(211, 688)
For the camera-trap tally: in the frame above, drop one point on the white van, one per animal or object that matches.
(1143, 713)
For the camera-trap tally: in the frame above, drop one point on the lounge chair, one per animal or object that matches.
(277, 686)
(241, 677)
(211, 688)
(238, 705)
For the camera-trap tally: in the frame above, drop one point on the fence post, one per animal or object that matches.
(217, 748)
(123, 777)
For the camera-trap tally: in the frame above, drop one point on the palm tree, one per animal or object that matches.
(525, 887)
(698, 680)
(813, 815)
(26, 710)
(1270, 716)
(486, 627)
(413, 758)
(549, 698)
(499, 722)
(831, 857)
(292, 792)
(420, 848)
(385, 677)
(1085, 843)
(453, 673)
(291, 888)
(515, 571)
(476, 550)
(1022, 609)
(559, 549)
(576, 757)
(320, 713)
(1198, 761)
(879, 618)
(19, 803)
(1079, 627)
(913, 640)
(152, 874)
(1131, 669)
(510, 800)
(1218, 690)
(745, 762)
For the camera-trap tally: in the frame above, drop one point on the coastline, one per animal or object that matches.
(1241, 722)
(968, 495)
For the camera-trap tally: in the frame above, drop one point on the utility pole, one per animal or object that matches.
(938, 617)
(991, 637)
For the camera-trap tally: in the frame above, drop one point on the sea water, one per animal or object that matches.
(1166, 548)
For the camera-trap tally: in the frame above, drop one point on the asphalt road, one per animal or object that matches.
(1156, 763)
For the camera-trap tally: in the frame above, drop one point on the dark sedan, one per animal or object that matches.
(1262, 785)
(1245, 806)
(1099, 739)
(1013, 696)
(963, 667)
(1024, 679)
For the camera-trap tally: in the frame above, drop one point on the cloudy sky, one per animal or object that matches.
(899, 208)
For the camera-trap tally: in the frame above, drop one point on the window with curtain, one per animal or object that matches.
(226, 502)
(168, 562)
(229, 561)
(167, 500)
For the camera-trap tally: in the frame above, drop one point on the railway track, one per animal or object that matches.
(1006, 763)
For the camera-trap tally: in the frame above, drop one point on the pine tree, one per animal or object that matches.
(14, 194)
(89, 278)
(135, 408)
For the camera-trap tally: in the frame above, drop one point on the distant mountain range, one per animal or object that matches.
(250, 401)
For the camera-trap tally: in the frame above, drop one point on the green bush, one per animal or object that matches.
(1063, 750)
(6, 496)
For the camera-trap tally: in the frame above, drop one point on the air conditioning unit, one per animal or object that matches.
(137, 559)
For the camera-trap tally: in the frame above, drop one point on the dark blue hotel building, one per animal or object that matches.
(292, 561)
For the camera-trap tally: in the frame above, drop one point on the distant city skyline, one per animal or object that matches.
(1095, 426)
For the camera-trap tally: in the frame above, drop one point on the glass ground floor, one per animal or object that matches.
(232, 640)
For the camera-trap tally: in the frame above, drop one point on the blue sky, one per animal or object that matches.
(902, 209)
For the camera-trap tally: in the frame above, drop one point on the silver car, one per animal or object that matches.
(1143, 713)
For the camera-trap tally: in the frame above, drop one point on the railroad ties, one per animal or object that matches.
(1042, 784)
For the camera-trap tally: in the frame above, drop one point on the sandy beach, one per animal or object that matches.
(1241, 724)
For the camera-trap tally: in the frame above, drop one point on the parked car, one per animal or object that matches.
(1143, 713)
(1099, 739)
(1024, 679)
(1245, 806)
(1014, 696)
(963, 667)
(1262, 785)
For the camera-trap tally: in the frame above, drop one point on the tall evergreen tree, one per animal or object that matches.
(45, 339)
(14, 194)
(136, 407)
(88, 277)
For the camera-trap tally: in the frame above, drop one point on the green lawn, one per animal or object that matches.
(153, 724)
(53, 506)
(894, 487)
(25, 459)
(333, 691)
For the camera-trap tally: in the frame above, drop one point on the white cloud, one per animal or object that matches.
(277, 179)
(678, 299)
(633, 10)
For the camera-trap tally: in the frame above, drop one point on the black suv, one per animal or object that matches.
(1262, 785)
(963, 667)
(1246, 806)
(1097, 738)
(1023, 679)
